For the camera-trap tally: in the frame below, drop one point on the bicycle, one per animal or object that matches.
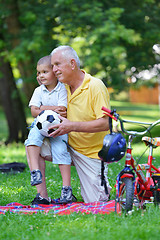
(140, 189)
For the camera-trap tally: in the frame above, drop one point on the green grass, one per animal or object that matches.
(16, 188)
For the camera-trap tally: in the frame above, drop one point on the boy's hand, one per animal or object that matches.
(58, 109)
(62, 111)
(38, 79)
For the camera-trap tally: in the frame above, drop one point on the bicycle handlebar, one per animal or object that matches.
(114, 115)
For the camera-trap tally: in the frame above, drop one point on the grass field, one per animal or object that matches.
(141, 224)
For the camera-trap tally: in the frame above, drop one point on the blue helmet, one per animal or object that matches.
(114, 147)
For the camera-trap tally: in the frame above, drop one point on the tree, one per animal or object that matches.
(113, 35)
(117, 35)
(17, 46)
(12, 104)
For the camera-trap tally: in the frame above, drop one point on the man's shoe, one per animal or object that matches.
(36, 177)
(57, 200)
(74, 199)
(66, 195)
(40, 200)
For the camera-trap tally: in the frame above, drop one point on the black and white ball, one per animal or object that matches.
(46, 119)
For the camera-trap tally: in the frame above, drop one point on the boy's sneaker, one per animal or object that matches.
(40, 200)
(66, 195)
(36, 177)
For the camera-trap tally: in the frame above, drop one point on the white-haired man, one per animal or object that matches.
(86, 124)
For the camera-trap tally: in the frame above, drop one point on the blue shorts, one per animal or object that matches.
(60, 154)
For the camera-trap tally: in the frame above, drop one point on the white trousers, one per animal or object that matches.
(89, 172)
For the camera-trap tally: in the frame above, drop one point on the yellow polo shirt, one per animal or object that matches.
(85, 105)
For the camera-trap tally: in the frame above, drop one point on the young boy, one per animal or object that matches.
(50, 95)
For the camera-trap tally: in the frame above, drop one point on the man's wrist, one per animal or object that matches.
(74, 127)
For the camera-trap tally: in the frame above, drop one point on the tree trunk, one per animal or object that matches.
(14, 29)
(12, 104)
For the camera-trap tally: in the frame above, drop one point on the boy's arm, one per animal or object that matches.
(59, 109)
(35, 111)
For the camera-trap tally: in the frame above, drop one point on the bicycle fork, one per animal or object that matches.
(127, 171)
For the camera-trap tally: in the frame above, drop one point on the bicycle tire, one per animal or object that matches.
(156, 195)
(124, 202)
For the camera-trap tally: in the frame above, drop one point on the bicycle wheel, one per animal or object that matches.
(124, 201)
(156, 195)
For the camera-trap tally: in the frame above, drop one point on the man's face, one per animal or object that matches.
(61, 66)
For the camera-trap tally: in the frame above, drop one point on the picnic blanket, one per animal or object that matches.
(65, 209)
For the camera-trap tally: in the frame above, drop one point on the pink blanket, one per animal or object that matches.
(65, 209)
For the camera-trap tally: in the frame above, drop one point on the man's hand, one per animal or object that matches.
(67, 126)
(63, 128)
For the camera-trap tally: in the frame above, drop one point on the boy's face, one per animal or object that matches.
(46, 76)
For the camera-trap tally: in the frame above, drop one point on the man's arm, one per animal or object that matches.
(66, 126)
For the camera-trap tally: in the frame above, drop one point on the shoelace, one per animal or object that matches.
(64, 192)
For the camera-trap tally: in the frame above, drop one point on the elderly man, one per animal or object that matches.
(85, 123)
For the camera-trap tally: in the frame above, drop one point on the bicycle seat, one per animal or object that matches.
(151, 141)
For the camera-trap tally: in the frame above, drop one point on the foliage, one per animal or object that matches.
(110, 36)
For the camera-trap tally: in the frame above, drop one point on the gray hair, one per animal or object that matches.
(68, 52)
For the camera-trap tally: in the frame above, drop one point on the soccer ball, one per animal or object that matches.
(46, 119)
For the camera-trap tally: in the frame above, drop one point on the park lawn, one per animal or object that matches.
(16, 188)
